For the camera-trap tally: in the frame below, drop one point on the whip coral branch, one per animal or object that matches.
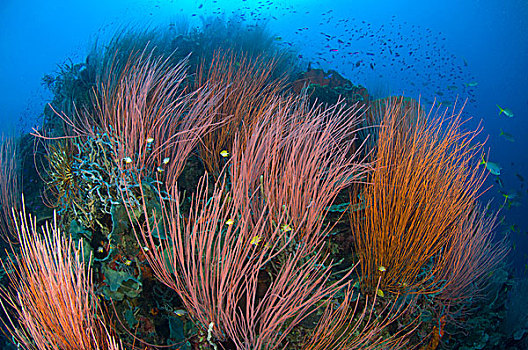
(211, 260)
(215, 254)
(51, 293)
(471, 255)
(143, 106)
(343, 326)
(423, 189)
(246, 89)
(10, 186)
(300, 158)
(206, 259)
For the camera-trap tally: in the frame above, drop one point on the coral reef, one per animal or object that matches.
(223, 200)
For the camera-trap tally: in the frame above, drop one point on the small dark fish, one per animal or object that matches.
(201, 5)
(498, 181)
(507, 136)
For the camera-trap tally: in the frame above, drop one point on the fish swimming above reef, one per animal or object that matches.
(498, 181)
(507, 136)
(493, 168)
(507, 112)
(510, 200)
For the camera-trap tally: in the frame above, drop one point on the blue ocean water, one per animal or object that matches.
(452, 53)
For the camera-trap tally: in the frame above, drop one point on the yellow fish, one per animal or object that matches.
(224, 154)
(380, 293)
(230, 222)
(255, 240)
(382, 268)
(286, 228)
(180, 312)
